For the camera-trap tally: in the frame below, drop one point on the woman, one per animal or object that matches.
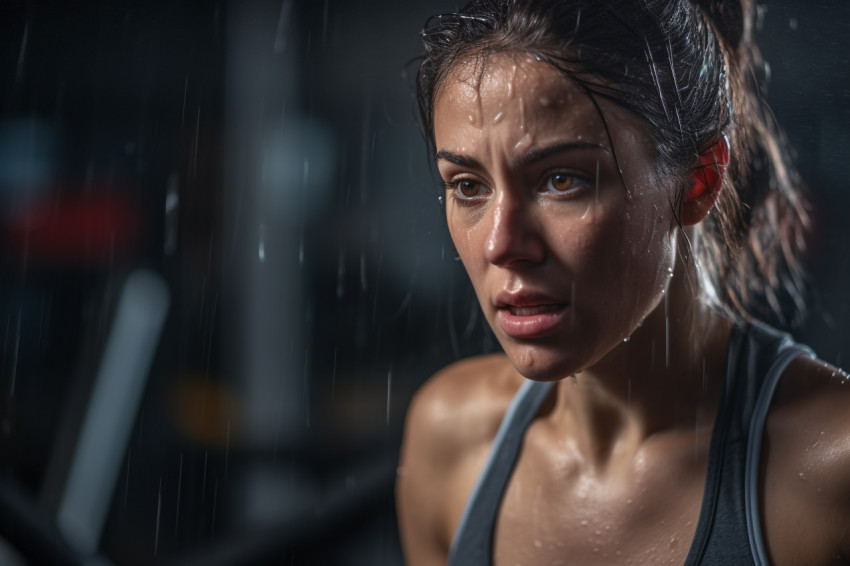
(622, 204)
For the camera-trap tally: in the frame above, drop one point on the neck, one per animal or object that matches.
(668, 375)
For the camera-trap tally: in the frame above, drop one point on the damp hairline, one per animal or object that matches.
(477, 57)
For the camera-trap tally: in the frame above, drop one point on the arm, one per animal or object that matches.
(450, 426)
(420, 476)
(806, 467)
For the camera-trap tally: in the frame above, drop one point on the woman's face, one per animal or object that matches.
(565, 259)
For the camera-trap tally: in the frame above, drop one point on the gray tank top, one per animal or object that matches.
(728, 531)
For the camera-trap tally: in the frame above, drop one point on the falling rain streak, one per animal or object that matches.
(158, 511)
(667, 330)
(389, 391)
(252, 341)
(179, 487)
(22, 53)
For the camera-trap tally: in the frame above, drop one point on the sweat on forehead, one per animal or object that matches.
(528, 103)
(504, 85)
(507, 70)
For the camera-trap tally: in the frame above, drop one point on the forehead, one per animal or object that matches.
(489, 82)
(525, 102)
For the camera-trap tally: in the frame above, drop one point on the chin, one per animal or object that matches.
(538, 364)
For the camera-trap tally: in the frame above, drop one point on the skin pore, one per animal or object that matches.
(579, 270)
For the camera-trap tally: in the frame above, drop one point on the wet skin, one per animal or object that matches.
(565, 259)
(568, 257)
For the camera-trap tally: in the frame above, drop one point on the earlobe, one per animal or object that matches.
(706, 182)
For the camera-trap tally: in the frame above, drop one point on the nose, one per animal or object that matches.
(515, 236)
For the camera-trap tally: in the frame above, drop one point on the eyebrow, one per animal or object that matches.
(531, 156)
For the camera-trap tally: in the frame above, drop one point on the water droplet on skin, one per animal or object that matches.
(627, 338)
(802, 476)
(669, 272)
(584, 522)
(523, 143)
(497, 118)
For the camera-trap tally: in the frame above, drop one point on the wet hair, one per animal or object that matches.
(691, 70)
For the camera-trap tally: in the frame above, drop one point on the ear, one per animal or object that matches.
(707, 182)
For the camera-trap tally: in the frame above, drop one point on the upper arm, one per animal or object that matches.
(421, 473)
(449, 427)
(807, 477)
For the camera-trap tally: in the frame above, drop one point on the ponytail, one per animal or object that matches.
(755, 260)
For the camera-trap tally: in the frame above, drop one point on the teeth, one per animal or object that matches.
(531, 311)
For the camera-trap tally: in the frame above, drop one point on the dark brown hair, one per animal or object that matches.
(691, 69)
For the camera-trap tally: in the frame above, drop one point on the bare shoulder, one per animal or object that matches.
(455, 412)
(807, 465)
(464, 402)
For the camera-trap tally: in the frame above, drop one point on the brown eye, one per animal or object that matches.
(561, 182)
(469, 188)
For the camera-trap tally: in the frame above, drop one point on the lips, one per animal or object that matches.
(531, 311)
(527, 315)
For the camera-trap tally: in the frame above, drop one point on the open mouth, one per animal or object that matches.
(533, 310)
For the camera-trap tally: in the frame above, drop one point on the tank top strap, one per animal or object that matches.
(728, 529)
(786, 351)
(473, 541)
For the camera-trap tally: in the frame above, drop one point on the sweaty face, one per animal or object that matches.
(566, 255)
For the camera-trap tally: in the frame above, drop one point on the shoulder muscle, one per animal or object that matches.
(808, 460)
(455, 411)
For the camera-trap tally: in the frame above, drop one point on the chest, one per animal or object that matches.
(556, 512)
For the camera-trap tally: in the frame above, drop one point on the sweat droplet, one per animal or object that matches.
(523, 143)
(627, 338)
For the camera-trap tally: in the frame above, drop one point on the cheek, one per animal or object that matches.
(626, 245)
(469, 246)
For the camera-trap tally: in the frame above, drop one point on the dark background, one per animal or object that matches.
(262, 159)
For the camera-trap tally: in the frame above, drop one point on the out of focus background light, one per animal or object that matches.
(224, 269)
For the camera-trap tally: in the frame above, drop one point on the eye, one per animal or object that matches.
(560, 182)
(466, 191)
(468, 188)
